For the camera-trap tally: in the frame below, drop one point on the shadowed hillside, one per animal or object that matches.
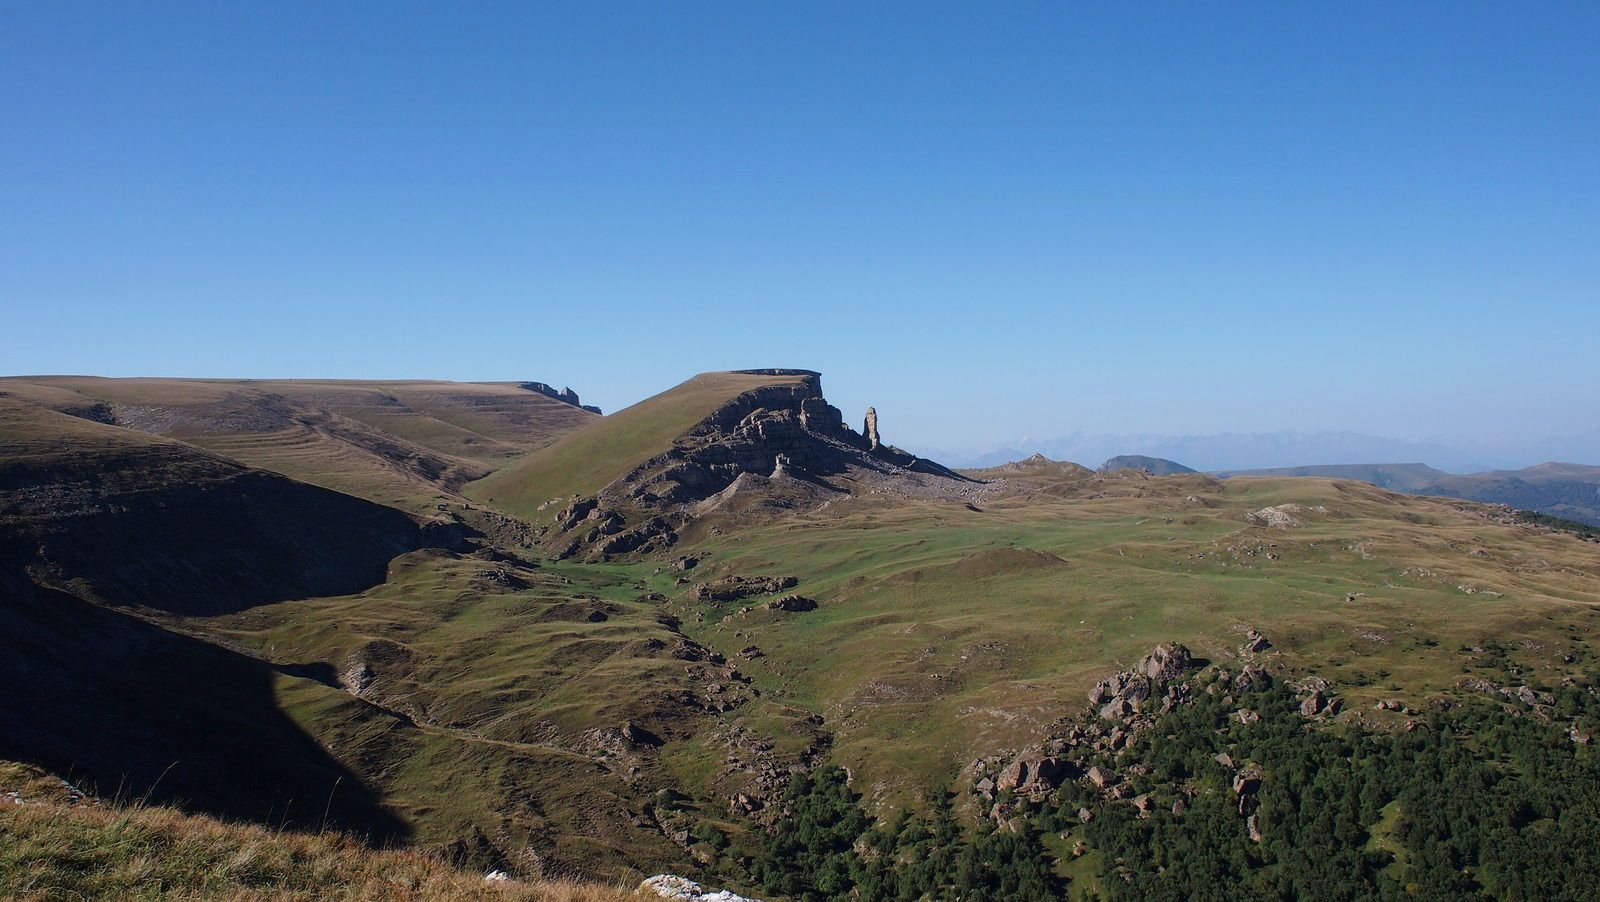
(131, 707)
(128, 518)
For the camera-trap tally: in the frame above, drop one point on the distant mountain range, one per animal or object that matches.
(1566, 490)
(1235, 451)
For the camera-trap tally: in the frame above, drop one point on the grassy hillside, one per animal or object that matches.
(945, 631)
(586, 460)
(638, 714)
(409, 444)
(57, 845)
(1397, 477)
(1570, 491)
(489, 701)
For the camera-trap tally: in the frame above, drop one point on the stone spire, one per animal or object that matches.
(870, 429)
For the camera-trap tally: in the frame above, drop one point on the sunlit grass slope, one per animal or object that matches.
(584, 461)
(946, 632)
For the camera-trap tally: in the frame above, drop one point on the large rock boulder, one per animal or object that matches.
(1166, 662)
(1032, 771)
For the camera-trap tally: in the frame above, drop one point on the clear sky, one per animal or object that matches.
(989, 220)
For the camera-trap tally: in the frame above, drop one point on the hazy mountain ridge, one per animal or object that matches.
(1253, 451)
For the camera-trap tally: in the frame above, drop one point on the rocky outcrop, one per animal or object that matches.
(1033, 772)
(733, 588)
(1148, 687)
(1279, 517)
(869, 428)
(792, 604)
(1122, 706)
(565, 395)
(782, 440)
(1254, 643)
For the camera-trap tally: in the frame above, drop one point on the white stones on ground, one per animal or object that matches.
(1280, 516)
(671, 886)
(496, 877)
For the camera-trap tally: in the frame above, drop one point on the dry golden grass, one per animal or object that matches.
(51, 849)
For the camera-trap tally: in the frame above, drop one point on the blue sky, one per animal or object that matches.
(990, 221)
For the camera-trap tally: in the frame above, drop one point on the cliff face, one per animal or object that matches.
(109, 514)
(786, 436)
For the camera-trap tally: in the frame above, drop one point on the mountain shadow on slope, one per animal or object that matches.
(102, 696)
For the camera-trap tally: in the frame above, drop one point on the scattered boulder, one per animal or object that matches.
(1247, 781)
(1251, 678)
(1254, 643)
(1032, 772)
(792, 603)
(1116, 709)
(1102, 777)
(637, 735)
(733, 588)
(1166, 662)
(1247, 716)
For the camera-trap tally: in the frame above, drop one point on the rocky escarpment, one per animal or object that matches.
(782, 445)
(134, 520)
(565, 395)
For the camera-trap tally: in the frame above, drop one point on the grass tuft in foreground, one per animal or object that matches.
(53, 847)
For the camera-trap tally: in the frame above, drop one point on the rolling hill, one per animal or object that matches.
(1155, 466)
(1569, 491)
(408, 444)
